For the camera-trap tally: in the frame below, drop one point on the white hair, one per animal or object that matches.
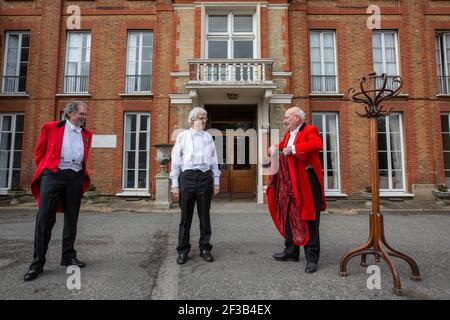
(299, 112)
(193, 115)
(72, 107)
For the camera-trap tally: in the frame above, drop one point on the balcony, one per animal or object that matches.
(444, 84)
(14, 84)
(230, 72)
(138, 84)
(321, 84)
(76, 84)
(390, 84)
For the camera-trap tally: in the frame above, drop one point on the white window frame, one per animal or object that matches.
(230, 36)
(4, 190)
(19, 47)
(323, 115)
(443, 71)
(66, 64)
(383, 51)
(390, 190)
(443, 151)
(136, 160)
(322, 58)
(141, 36)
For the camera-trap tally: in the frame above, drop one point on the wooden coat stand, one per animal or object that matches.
(377, 245)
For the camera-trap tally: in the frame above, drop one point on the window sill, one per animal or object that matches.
(443, 96)
(15, 95)
(327, 95)
(63, 95)
(402, 96)
(335, 194)
(133, 194)
(137, 94)
(395, 194)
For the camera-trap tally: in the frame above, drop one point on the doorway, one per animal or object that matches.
(237, 161)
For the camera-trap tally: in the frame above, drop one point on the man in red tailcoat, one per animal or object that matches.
(301, 146)
(60, 180)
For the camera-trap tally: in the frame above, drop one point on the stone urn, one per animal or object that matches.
(442, 198)
(163, 151)
(367, 195)
(162, 196)
(91, 194)
(16, 194)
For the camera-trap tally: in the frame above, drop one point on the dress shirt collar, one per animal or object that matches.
(198, 133)
(73, 127)
(296, 130)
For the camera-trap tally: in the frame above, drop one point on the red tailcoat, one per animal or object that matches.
(48, 153)
(308, 144)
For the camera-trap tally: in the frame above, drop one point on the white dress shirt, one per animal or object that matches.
(72, 151)
(292, 136)
(194, 151)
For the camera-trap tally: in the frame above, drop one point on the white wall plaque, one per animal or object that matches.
(104, 141)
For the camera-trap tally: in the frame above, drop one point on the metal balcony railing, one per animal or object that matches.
(14, 84)
(76, 84)
(390, 84)
(323, 84)
(444, 84)
(138, 83)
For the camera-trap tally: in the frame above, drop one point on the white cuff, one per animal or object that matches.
(293, 149)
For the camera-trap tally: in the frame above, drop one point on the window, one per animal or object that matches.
(16, 62)
(136, 151)
(76, 79)
(138, 78)
(385, 57)
(445, 125)
(323, 62)
(327, 124)
(390, 153)
(230, 36)
(11, 140)
(443, 61)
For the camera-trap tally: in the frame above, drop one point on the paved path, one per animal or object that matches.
(132, 256)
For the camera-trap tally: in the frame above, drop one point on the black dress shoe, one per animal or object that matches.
(32, 274)
(206, 255)
(73, 262)
(311, 267)
(182, 258)
(285, 256)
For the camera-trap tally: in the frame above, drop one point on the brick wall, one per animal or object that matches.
(176, 39)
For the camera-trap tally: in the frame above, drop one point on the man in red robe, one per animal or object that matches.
(300, 147)
(59, 182)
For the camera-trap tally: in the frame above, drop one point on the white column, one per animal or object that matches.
(263, 126)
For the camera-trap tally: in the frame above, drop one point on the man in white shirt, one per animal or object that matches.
(195, 179)
(59, 182)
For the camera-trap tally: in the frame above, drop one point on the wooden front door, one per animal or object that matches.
(238, 167)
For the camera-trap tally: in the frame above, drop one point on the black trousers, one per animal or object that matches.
(195, 187)
(312, 249)
(64, 185)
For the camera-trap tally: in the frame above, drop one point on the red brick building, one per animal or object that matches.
(142, 65)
